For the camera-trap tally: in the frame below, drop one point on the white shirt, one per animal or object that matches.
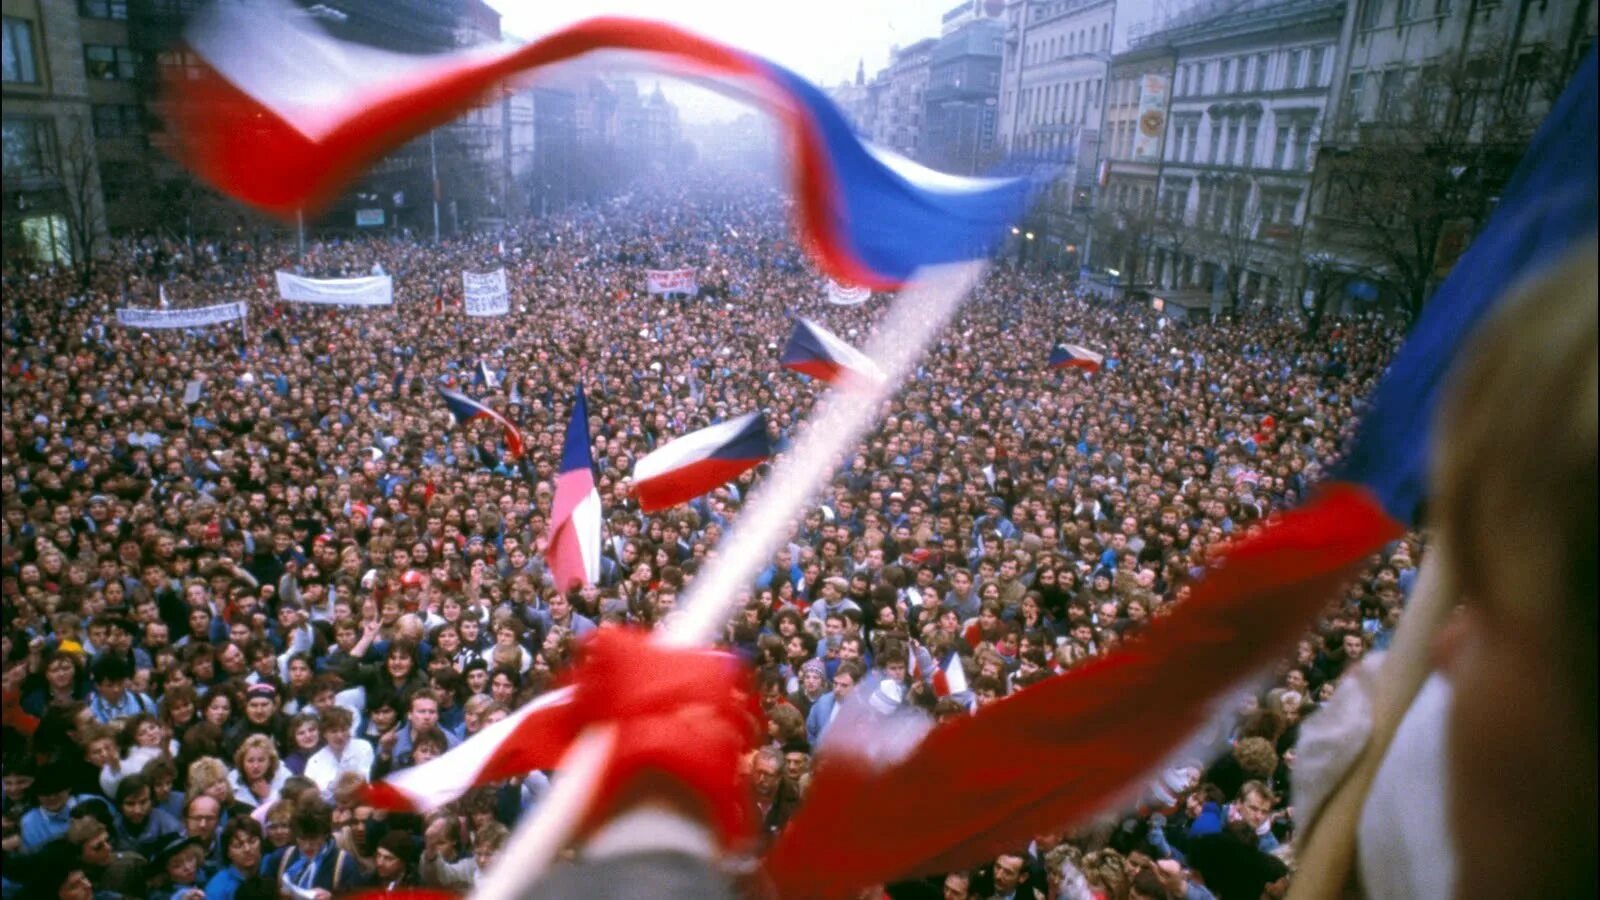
(324, 767)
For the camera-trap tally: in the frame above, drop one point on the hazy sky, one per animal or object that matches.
(821, 39)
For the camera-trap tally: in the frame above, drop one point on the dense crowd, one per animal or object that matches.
(246, 571)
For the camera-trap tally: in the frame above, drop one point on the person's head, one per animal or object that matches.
(335, 723)
(1513, 496)
(487, 841)
(1009, 869)
(766, 770)
(93, 840)
(304, 733)
(422, 712)
(845, 679)
(393, 856)
(260, 703)
(256, 759)
(179, 860)
(311, 824)
(201, 813)
(134, 800)
(1255, 804)
(242, 842)
(958, 886)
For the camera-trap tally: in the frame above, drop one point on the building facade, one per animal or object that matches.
(52, 197)
(1052, 91)
(1249, 93)
(900, 107)
(1134, 132)
(1431, 105)
(963, 96)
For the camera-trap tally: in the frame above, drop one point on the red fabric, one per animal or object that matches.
(679, 718)
(13, 716)
(1050, 756)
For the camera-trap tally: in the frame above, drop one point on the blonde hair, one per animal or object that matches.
(1514, 471)
(257, 742)
(205, 772)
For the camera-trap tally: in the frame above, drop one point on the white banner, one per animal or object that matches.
(839, 295)
(671, 281)
(1151, 128)
(181, 318)
(485, 293)
(376, 290)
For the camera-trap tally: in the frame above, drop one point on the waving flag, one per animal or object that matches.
(816, 351)
(1073, 356)
(486, 376)
(531, 738)
(1115, 718)
(699, 461)
(281, 116)
(573, 551)
(464, 409)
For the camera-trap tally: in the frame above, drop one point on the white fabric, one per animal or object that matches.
(151, 319)
(650, 829)
(372, 290)
(690, 448)
(1331, 739)
(839, 295)
(324, 767)
(1403, 840)
(485, 294)
(671, 281)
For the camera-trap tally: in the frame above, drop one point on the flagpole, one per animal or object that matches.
(433, 165)
(922, 309)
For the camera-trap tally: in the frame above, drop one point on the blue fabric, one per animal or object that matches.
(1549, 207)
(887, 224)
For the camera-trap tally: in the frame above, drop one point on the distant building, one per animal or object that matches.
(52, 179)
(962, 99)
(901, 100)
(1051, 93)
(1249, 93)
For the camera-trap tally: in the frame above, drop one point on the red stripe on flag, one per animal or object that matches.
(1074, 743)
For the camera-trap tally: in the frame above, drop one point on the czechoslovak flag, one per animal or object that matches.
(816, 351)
(464, 409)
(699, 461)
(573, 553)
(1074, 356)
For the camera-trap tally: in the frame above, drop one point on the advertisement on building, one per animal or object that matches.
(1152, 126)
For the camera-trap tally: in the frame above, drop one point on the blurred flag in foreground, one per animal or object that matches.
(281, 116)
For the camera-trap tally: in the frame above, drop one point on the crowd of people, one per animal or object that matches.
(247, 570)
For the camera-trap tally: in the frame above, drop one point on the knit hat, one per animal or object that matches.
(814, 665)
(886, 698)
(401, 844)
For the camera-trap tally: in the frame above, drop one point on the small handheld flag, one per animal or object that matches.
(1074, 356)
(573, 550)
(699, 461)
(464, 409)
(816, 351)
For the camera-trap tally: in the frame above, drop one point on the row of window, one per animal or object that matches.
(1301, 67)
(101, 62)
(1372, 12)
(1084, 40)
(1232, 141)
(1062, 103)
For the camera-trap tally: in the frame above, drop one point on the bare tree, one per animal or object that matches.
(1231, 242)
(1408, 188)
(78, 171)
(1128, 232)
